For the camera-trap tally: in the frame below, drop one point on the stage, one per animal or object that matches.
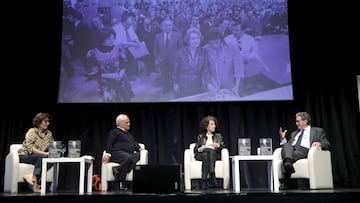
(344, 195)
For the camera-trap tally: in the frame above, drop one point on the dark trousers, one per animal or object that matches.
(165, 73)
(288, 151)
(127, 162)
(290, 154)
(208, 158)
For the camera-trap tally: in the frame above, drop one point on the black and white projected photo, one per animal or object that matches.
(124, 51)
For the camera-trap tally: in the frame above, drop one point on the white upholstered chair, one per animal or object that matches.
(107, 172)
(316, 167)
(15, 171)
(192, 167)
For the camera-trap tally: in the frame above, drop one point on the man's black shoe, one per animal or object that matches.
(118, 186)
(123, 186)
(115, 170)
(283, 187)
(115, 186)
(288, 166)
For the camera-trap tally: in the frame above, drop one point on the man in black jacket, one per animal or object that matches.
(122, 148)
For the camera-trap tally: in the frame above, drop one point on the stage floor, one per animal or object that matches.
(344, 195)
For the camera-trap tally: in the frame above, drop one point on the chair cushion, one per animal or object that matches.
(301, 169)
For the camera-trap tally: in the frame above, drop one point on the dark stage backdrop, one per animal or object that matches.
(168, 128)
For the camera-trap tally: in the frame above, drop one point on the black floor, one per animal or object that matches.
(343, 195)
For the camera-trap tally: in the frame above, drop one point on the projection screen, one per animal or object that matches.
(124, 51)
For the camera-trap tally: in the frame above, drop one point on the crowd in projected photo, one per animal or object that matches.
(174, 51)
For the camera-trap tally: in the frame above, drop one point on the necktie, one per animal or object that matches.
(239, 44)
(298, 142)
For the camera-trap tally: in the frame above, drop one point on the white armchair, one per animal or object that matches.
(107, 172)
(15, 171)
(192, 167)
(316, 167)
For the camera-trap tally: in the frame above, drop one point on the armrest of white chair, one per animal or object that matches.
(106, 173)
(103, 175)
(276, 162)
(225, 155)
(276, 167)
(226, 164)
(144, 158)
(320, 168)
(187, 160)
(11, 172)
(277, 154)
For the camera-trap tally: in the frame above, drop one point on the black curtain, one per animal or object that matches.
(324, 82)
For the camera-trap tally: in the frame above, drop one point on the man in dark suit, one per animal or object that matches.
(166, 45)
(299, 143)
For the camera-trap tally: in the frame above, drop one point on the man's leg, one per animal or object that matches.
(287, 154)
(124, 159)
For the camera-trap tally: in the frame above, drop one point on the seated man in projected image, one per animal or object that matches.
(127, 37)
(114, 85)
(255, 68)
(226, 66)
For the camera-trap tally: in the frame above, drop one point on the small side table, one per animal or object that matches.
(55, 161)
(236, 169)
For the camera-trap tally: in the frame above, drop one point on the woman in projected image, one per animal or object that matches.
(191, 70)
(114, 85)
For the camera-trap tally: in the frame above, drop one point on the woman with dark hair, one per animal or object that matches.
(35, 147)
(207, 149)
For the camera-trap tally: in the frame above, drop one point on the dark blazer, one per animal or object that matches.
(162, 52)
(317, 134)
(119, 140)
